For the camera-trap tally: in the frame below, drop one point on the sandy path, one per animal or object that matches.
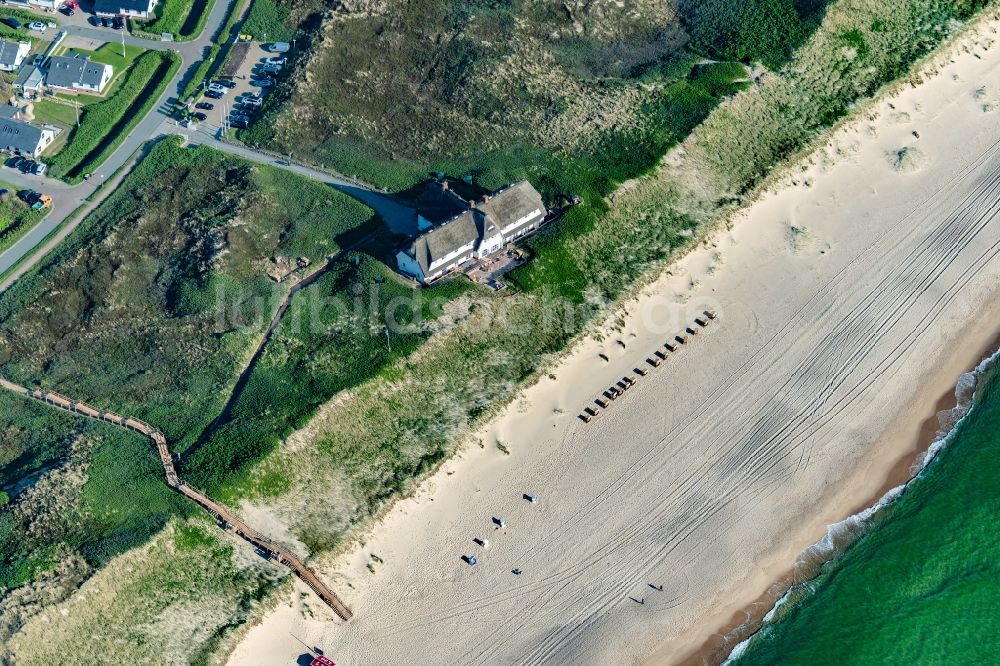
(714, 472)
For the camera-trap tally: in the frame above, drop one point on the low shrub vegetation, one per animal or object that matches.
(137, 292)
(269, 21)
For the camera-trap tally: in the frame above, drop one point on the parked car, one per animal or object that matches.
(270, 69)
(13, 23)
(217, 88)
(279, 47)
(95, 20)
(212, 94)
(117, 23)
(199, 116)
(28, 166)
(208, 106)
(14, 162)
(242, 124)
(37, 25)
(107, 22)
(264, 82)
(252, 100)
(276, 60)
(226, 83)
(67, 10)
(238, 117)
(40, 169)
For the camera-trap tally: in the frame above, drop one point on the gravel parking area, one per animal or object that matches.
(242, 74)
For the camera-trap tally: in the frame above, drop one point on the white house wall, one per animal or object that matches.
(521, 221)
(451, 255)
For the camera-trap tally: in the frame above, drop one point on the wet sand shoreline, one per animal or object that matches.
(747, 621)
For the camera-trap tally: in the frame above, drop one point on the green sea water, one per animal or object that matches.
(922, 586)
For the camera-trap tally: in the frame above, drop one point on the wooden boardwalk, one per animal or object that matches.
(227, 519)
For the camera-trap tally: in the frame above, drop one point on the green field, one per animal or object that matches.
(105, 122)
(921, 587)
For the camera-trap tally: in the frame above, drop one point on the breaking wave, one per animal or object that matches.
(842, 534)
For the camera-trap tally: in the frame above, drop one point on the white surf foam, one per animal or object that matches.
(841, 535)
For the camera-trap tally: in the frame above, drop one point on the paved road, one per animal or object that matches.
(67, 198)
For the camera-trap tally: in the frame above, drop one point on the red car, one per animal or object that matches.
(322, 661)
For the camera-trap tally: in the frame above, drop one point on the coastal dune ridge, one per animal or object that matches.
(850, 298)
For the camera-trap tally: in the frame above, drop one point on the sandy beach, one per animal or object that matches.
(850, 299)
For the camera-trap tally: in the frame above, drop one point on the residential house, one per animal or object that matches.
(12, 54)
(21, 137)
(470, 229)
(77, 74)
(30, 81)
(140, 9)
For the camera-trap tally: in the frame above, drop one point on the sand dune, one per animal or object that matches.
(848, 300)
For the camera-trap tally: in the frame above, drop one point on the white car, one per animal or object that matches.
(37, 25)
(275, 60)
(216, 88)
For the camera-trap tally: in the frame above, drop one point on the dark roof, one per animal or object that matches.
(19, 135)
(8, 52)
(438, 202)
(118, 6)
(65, 72)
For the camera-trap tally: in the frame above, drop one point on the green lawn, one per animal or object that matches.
(111, 54)
(55, 113)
